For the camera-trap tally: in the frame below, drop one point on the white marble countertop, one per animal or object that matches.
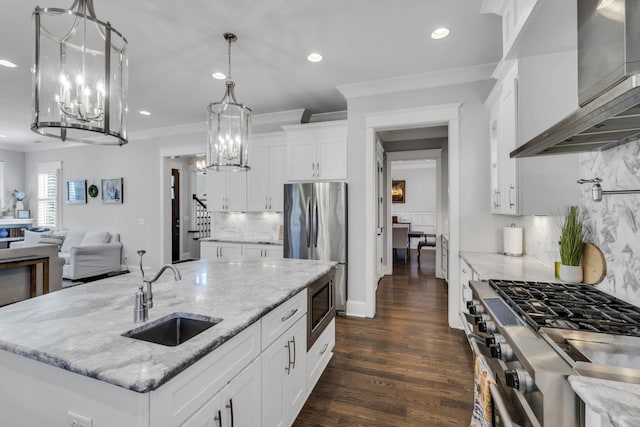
(497, 266)
(618, 402)
(245, 240)
(79, 328)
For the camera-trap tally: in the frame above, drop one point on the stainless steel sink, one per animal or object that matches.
(174, 329)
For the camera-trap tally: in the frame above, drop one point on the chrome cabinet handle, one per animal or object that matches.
(318, 170)
(511, 204)
(288, 367)
(294, 352)
(324, 349)
(288, 316)
(218, 418)
(230, 407)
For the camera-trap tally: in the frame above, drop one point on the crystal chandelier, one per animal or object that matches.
(229, 128)
(80, 76)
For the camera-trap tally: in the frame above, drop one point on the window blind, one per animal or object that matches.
(49, 195)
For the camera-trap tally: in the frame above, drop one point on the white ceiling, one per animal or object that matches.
(175, 46)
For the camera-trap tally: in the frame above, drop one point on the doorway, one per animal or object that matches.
(438, 115)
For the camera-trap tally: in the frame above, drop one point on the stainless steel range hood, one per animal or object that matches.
(608, 83)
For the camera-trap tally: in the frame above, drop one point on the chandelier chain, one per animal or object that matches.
(229, 58)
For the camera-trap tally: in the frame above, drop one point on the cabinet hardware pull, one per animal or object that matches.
(318, 170)
(324, 349)
(288, 316)
(230, 406)
(294, 352)
(218, 418)
(288, 367)
(511, 205)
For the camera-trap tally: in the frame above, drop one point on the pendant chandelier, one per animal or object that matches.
(229, 128)
(80, 76)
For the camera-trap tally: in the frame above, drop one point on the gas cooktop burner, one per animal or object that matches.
(569, 306)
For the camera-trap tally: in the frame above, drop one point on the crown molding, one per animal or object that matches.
(418, 81)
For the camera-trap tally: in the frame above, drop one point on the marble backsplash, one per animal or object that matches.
(259, 226)
(614, 222)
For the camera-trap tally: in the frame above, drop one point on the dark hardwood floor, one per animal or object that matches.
(405, 367)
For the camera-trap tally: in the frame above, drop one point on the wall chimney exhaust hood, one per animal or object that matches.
(608, 83)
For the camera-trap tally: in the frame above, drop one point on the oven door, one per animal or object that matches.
(321, 307)
(510, 407)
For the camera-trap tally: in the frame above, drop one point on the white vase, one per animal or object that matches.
(571, 273)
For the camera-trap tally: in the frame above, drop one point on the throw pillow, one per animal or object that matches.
(31, 238)
(95, 238)
(72, 239)
(51, 239)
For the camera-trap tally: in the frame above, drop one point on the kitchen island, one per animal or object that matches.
(63, 354)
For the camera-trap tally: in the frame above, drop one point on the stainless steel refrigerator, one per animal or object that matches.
(315, 227)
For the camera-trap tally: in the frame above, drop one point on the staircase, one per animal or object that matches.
(200, 219)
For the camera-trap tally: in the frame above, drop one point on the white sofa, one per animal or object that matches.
(85, 253)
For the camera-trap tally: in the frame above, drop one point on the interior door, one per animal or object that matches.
(175, 215)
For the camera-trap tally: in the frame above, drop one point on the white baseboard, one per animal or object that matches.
(356, 309)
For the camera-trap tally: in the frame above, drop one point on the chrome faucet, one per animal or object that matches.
(176, 277)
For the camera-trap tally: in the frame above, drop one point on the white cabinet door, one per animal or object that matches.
(284, 382)
(208, 250)
(236, 191)
(277, 177)
(332, 158)
(227, 191)
(258, 180)
(302, 159)
(317, 151)
(266, 178)
(508, 142)
(217, 192)
(466, 274)
(240, 399)
(209, 415)
(229, 249)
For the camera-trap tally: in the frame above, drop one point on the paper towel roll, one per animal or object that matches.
(512, 241)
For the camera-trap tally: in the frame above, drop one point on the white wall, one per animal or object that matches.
(477, 226)
(14, 179)
(138, 218)
(420, 188)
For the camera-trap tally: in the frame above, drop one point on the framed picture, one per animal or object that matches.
(398, 191)
(76, 191)
(112, 190)
(24, 214)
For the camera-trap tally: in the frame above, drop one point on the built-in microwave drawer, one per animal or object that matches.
(281, 318)
(320, 353)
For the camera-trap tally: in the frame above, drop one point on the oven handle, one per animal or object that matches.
(500, 407)
(478, 346)
(531, 417)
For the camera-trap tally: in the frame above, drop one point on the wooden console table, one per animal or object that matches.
(30, 261)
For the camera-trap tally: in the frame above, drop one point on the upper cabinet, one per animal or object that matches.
(531, 94)
(265, 180)
(227, 191)
(317, 151)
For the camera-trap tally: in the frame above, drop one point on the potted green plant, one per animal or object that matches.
(572, 235)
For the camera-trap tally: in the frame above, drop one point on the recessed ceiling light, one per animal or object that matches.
(7, 63)
(144, 112)
(314, 57)
(218, 75)
(440, 33)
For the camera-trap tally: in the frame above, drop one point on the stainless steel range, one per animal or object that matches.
(534, 334)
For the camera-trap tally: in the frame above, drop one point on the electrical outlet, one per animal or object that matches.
(78, 420)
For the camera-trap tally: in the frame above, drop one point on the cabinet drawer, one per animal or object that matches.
(176, 401)
(319, 355)
(282, 317)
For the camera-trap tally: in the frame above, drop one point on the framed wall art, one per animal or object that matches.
(112, 190)
(76, 191)
(398, 191)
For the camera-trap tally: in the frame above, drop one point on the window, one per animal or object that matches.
(49, 194)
